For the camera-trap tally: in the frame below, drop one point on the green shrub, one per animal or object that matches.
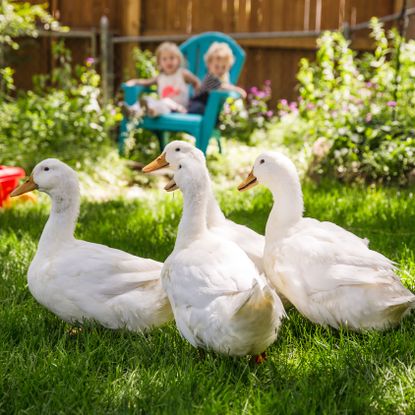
(145, 63)
(239, 119)
(359, 111)
(62, 117)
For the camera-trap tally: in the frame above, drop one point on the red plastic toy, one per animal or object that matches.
(9, 178)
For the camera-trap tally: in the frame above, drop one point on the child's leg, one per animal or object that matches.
(173, 105)
(155, 107)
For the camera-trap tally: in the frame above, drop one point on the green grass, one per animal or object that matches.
(43, 369)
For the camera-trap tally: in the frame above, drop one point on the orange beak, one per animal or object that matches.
(171, 186)
(156, 164)
(249, 182)
(27, 186)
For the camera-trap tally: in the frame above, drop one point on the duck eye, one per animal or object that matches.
(180, 166)
(46, 169)
(262, 161)
(177, 149)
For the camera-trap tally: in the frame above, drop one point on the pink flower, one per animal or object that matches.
(368, 117)
(310, 106)
(284, 102)
(89, 61)
(267, 82)
(391, 103)
(253, 90)
(269, 114)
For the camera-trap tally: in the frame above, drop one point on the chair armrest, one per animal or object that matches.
(133, 92)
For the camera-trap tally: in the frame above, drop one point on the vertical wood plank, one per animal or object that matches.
(130, 26)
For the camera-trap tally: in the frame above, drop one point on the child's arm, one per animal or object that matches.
(229, 87)
(142, 82)
(189, 78)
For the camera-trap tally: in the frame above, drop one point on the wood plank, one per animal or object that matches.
(130, 26)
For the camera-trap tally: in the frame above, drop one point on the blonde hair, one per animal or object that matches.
(220, 50)
(169, 47)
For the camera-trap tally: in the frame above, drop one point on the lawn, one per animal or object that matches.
(45, 369)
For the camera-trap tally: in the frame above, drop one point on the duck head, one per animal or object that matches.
(172, 155)
(189, 175)
(50, 176)
(269, 168)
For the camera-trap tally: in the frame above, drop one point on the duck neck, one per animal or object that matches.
(214, 214)
(193, 222)
(61, 224)
(287, 209)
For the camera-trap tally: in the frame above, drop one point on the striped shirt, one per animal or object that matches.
(210, 83)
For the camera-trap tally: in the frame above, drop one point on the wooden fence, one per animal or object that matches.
(270, 58)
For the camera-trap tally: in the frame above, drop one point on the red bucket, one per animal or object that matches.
(9, 179)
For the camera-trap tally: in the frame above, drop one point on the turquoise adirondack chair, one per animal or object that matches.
(202, 127)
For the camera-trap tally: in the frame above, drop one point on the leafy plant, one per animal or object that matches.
(20, 18)
(239, 120)
(62, 117)
(359, 111)
(145, 63)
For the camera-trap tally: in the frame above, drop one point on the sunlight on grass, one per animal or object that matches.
(310, 369)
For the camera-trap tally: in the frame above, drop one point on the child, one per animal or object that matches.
(219, 60)
(171, 83)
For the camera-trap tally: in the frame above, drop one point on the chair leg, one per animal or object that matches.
(202, 142)
(217, 136)
(163, 137)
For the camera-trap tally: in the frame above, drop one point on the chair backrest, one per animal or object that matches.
(194, 50)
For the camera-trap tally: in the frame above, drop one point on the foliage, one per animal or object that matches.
(61, 117)
(20, 18)
(47, 369)
(145, 63)
(239, 120)
(359, 111)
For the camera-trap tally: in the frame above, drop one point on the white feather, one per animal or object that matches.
(329, 274)
(80, 281)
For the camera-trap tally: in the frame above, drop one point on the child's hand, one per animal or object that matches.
(197, 86)
(241, 91)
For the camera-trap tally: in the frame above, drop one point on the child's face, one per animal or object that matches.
(218, 66)
(169, 62)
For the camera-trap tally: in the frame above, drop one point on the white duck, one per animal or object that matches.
(250, 241)
(326, 272)
(79, 280)
(219, 300)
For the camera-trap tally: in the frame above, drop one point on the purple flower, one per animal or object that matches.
(391, 103)
(269, 113)
(370, 84)
(284, 102)
(89, 61)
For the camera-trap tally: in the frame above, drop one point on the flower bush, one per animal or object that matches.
(239, 120)
(62, 117)
(359, 111)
